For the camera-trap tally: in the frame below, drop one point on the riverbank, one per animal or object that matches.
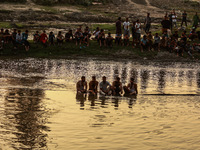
(70, 50)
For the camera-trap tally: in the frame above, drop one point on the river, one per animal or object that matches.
(39, 108)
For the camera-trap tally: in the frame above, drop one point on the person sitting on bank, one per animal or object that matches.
(118, 38)
(117, 87)
(93, 86)
(81, 85)
(19, 37)
(51, 38)
(86, 36)
(131, 89)
(105, 87)
(60, 38)
(78, 36)
(69, 36)
(144, 44)
(44, 38)
(156, 44)
(36, 37)
(96, 33)
(101, 38)
(25, 40)
(109, 40)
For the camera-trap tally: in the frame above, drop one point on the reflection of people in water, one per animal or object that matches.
(81, 85)
(81, 97)
(93, 85)
(117, 87)
(131, 89)
(92, 97)
(105, 87)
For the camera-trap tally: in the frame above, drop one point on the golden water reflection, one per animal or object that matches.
(39, 107)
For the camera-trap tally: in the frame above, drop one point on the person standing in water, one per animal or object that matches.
(93, 85)
(117, 87)
(131, 89)
(105, 87)
(81, 85)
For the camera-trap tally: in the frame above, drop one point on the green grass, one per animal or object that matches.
(5, 25)
(106, 27)
(71, 50)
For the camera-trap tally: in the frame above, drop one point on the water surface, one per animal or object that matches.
(39, 108)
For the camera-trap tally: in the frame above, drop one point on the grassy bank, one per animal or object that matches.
(70, 50)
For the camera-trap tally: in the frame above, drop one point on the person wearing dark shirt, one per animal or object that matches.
(51, 38)
(13, 37)
(69, 36)
(147, 23)
(184, 19)
(175, 35)
(165, 24)
(119, 26)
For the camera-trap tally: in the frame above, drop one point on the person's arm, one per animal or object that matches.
(78, 86)
(96, 88)
(136, 89)
(86, 86)
(121, 88)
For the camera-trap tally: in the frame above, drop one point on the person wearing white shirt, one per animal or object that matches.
(174, 19)
(126, 26)
(19, 37)
(138, 30)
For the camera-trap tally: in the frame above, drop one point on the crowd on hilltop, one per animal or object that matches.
(169, 39)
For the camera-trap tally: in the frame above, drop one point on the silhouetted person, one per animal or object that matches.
(93, 85)
(81, 85)
(131, 89)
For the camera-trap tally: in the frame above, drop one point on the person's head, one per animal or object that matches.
(44, 31)
(59, 33)
(102, 30)
(83, 78)
(184, 11)
(19, 31)
(149, 32)
(37, 32)
(15, 30)
(109, 34)
(127, 19)
(119, 18)
(2, 30)
(165, 32)
(156, 34)
(144, 37)
(138, 20)
(118, 79)
(132, 80)
(26, 31)
(51, 33)
(134, 23)
(104, 78)
(87, 27)
(97, 29)
(6, 31)
(93, 78)
(148, 14)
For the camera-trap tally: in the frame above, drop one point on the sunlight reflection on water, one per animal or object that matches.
(39, 108)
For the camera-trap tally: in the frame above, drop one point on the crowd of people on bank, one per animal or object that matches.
(168, 39)
(105, 88)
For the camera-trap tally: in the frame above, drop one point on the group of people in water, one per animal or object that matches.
(169, 38)
(105, 88)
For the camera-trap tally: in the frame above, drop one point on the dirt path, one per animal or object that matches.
(144, 6)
